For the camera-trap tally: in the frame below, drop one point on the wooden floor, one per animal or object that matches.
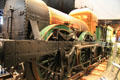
(96, 73)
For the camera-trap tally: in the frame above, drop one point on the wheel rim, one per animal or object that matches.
(86, 36)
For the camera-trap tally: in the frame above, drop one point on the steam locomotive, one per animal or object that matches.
(42, 43)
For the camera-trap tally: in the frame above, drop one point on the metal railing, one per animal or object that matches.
(118, 66)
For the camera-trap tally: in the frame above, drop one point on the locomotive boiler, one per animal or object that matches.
(42, 43)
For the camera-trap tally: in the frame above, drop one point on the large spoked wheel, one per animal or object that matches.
(51, 67)
(85, 54)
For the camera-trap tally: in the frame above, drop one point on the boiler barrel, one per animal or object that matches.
(18, 13)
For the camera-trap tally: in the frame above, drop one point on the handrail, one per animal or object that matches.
(116, 65)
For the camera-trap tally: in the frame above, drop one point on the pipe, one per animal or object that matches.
(58, 17)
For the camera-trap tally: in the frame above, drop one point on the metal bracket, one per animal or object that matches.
(35, 30)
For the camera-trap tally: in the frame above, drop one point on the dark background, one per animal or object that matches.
(62, 5)
(2, 3)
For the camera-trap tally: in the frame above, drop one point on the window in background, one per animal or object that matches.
(1, 20)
